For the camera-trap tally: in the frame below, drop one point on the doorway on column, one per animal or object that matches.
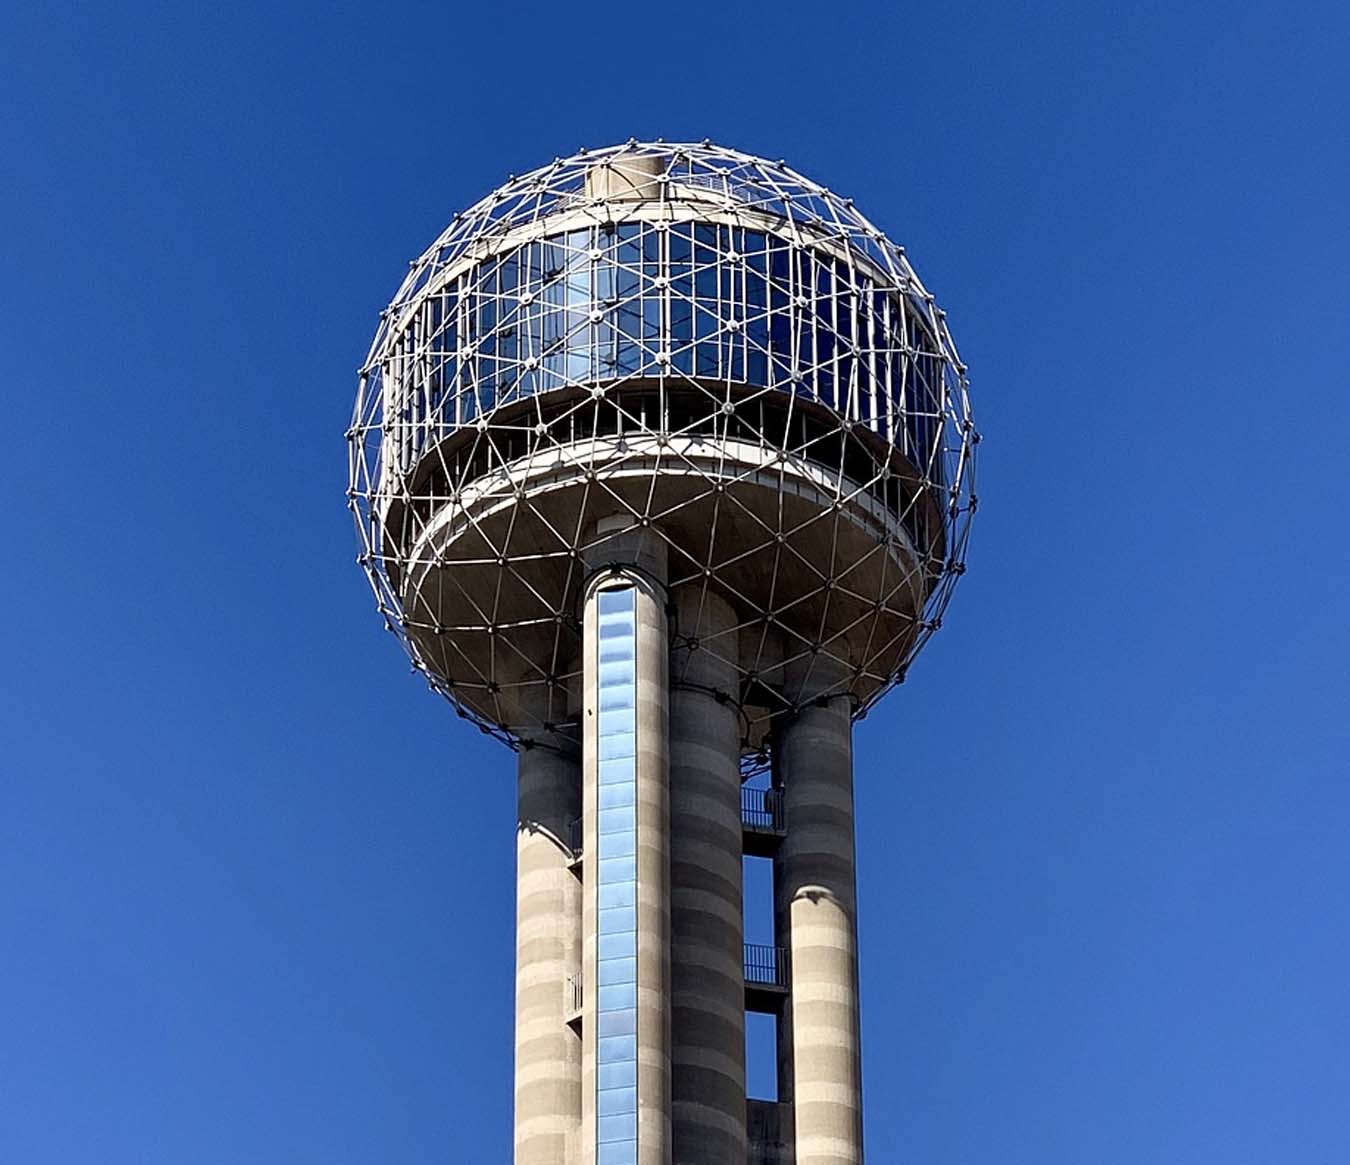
(761, 1022)
(761, 1056)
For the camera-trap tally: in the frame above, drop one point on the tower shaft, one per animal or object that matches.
(816, 908)
(548, 958)
(626, 1028)
(645, 1063)
(707, 926)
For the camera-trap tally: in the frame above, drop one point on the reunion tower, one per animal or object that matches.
(662, 467)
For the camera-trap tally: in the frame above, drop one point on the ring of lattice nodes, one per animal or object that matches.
(681, 343)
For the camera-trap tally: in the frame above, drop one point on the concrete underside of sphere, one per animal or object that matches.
(819, 539)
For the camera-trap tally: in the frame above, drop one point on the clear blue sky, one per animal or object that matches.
(1104, 872)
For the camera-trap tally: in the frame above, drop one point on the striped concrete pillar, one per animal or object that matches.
(548, 949)
(816, 907)
(627, 561)
(708, 1106)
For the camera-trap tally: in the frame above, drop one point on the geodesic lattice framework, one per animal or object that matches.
(706, 343)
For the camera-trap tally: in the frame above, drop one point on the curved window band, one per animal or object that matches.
(711, 301)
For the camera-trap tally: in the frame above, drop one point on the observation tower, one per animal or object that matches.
(662, 467)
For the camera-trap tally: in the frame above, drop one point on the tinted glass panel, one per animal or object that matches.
(616, 878)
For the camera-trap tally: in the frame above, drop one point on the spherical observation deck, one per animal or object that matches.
(680, 339)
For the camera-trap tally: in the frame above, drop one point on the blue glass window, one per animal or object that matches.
(616, 877)
(712, 300)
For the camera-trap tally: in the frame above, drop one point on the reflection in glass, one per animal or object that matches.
(715, 301)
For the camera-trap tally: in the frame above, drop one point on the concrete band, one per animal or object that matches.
(815, 893)
(548, 948)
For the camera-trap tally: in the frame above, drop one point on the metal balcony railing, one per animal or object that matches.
(761, 814)
(766, 966)
(762, 810)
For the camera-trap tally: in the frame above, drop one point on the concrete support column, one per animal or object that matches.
(816, 900)
(548, 952)
(636, 558)
(708, 1104)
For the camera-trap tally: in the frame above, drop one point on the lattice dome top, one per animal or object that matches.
(705, 343)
